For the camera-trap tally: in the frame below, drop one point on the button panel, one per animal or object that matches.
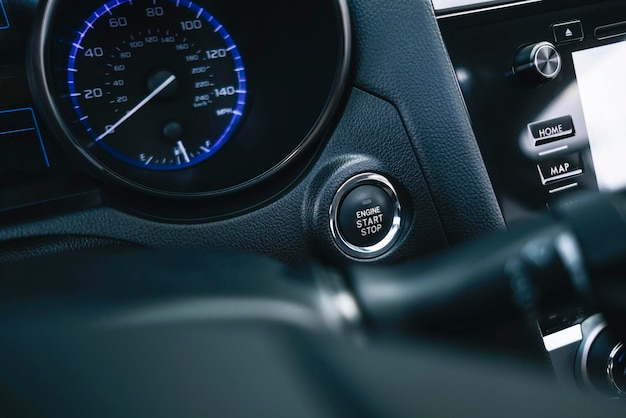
(552, 130)
(568, 32)
(535, 137)
(560, 168)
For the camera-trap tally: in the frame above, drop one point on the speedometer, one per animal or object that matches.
(159, 84)
(161, 100)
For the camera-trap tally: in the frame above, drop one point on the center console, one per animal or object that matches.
(545, 85)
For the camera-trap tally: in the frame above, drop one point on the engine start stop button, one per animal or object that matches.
(365, 216)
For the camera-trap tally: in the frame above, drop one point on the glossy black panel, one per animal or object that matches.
(523, 125)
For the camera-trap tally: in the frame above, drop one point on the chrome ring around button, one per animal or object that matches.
(610, 372)
(388, 240)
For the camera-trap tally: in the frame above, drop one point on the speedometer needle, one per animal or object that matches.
(139, 105)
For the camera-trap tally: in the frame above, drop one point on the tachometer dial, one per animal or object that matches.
(159, 84)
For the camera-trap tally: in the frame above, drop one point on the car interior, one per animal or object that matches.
(330, 208)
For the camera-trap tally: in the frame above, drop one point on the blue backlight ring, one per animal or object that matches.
(231, 47)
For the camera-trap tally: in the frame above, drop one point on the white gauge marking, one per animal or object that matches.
(141, 104)
(181, 150)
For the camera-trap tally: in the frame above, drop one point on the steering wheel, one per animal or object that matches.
(165, 333)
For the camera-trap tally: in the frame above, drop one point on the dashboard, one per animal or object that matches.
(336, 131)
(269, 103)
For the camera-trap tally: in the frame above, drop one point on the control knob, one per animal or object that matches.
(537, 63)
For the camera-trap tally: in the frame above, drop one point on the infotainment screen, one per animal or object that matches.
(601, 75)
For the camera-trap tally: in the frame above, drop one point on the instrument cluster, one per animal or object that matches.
(166, 101)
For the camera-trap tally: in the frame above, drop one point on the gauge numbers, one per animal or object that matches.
(158, 84)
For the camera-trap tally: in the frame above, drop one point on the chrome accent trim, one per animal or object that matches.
(392, 236)
(560, 189)
(614, 35)
(563, 338)
(552, 51)
(552, 151)
(445, 15)
(609, 369)
(442, 5)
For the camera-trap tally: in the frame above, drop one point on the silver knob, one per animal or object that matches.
(537, 62)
